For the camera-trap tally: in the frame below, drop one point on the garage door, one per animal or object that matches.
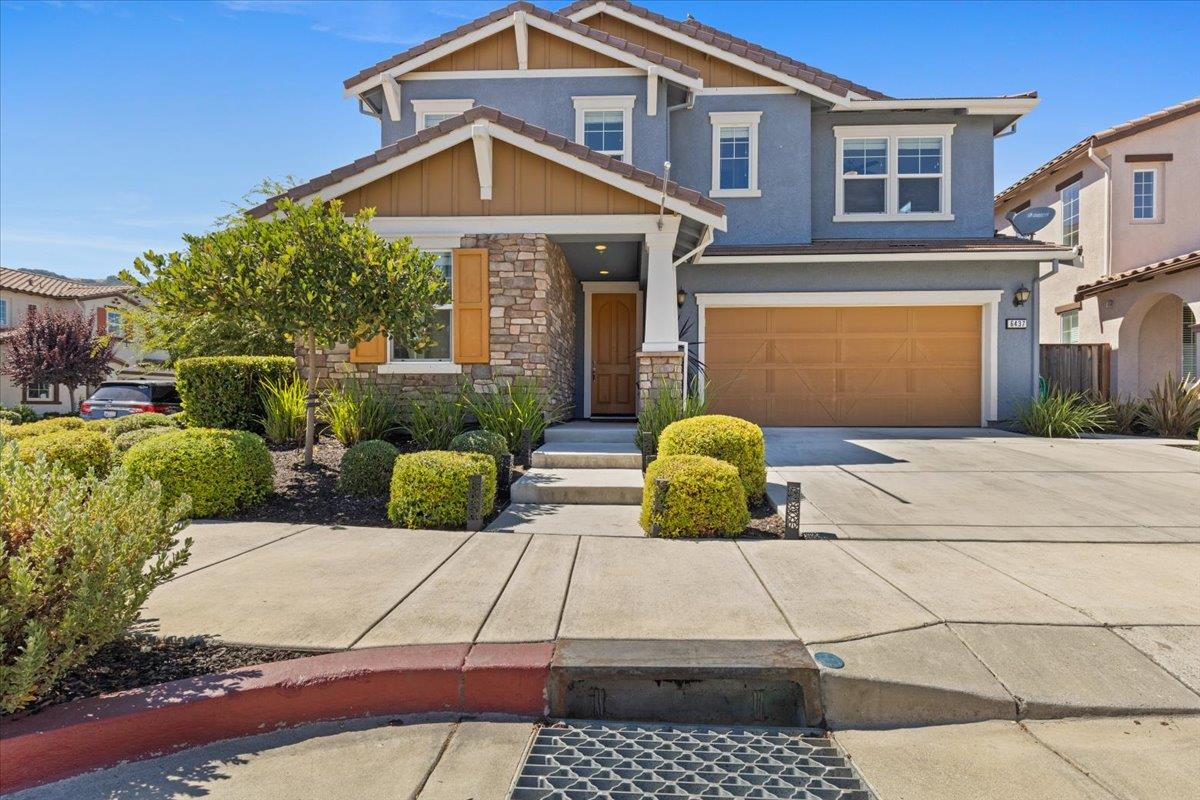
(882, 365)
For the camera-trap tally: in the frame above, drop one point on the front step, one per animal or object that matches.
(617, 487)
(588, 455)
(591, 432)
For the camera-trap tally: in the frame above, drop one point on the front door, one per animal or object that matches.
(614, 374)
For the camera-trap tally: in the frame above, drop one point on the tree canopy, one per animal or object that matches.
(58, 347)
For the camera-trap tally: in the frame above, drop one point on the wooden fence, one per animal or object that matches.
(1078, 367)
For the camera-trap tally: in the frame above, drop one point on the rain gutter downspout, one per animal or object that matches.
(1099, 162)
(688, 103)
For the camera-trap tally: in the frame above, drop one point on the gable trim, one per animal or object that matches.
(488, 74)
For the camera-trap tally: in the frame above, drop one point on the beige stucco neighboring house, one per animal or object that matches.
(1128, 199)
(22, 291)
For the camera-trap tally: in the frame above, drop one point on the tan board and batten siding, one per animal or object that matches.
(447, 185)
(499, 51)
(896, 366)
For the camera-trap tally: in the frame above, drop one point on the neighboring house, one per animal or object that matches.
(23, 292)
(1129, 198)
(827, 251)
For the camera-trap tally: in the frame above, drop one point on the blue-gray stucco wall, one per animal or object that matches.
(970, 176)
(783, 214)
(1016, 354)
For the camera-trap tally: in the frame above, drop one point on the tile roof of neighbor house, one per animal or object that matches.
(739, 47)
(19, 280)
(1165, 267)
(501, 13)
(1101, 138)
(514, 124)
(998, 244)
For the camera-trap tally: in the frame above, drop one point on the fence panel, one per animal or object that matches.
(1078, 367)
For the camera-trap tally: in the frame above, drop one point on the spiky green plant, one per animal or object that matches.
(516, 406)
(283, 409)
(1123, 414)
(1063, 415)
(356, 412)
(666, 405)
(432, 420)
(1173, 408)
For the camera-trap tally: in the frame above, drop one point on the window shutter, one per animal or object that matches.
(472, 306)
(101, 320)
(370, 351)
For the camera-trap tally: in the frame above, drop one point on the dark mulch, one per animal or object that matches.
(136, 661)
(765, 522)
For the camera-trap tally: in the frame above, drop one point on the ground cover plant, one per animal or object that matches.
(1063, 415)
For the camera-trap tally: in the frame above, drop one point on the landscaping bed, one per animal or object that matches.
(765, 522)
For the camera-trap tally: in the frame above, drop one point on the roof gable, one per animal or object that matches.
(19, 280)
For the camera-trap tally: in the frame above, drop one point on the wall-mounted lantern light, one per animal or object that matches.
(681, 297)
(1021, 296)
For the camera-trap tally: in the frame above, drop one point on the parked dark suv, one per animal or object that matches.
(119, 398)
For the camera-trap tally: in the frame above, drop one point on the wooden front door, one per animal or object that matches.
(614, 372)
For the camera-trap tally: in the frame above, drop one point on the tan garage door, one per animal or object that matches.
(882, 365)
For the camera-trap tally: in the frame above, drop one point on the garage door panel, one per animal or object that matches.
(738, 351)
(732, 321)
(876, 319)
(870, 382)
(796, 350)
(954, 350)
(878, 351)
(798, 320)
(792, 381)
(947, 319)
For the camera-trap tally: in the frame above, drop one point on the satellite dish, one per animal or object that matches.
(1031, 220)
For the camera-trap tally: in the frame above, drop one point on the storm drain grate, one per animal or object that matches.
(574, 761)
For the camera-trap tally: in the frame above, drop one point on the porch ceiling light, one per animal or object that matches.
(603, 272)
(600, 248)
(1021, 296)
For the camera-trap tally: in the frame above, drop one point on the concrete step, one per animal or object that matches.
(588, 455)
(552, 518)
(591, 432)
(579, 487)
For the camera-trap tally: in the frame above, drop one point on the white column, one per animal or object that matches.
(662, 309)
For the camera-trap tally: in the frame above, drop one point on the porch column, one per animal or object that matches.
(662, 309)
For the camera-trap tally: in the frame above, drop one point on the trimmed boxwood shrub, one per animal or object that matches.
(130, 438)
(728, 439)
(492, 444)
(136, 422)
(79, 450)
(43, 426)
(429, 489)
(366, 468)
(223, 391)
(222, 471)
(705, 498)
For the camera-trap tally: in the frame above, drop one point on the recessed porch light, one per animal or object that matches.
(600, 248)
(603, 272)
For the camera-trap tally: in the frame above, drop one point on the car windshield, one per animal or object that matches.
(123, 392)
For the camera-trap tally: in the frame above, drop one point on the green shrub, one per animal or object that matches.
(486, 442)
(429, 489)
(223, 391)
(1172, 409)
(80, 557)
(705, 498)
(221, 470)
(1062, 414)
(102, 425)
(356, 412)
(26, 413)
(78, 450)
(513, 407)
(284, 408)
(366, 468)
(729, 439)
(666, 405)
(1123, 414)
(128, 439)
(432, 420)
(10, 417)
(136, 422)
(179, 419)
(43, 426)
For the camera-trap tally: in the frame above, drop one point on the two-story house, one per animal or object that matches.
(608, 189)
(23, 292)
(1127, 197)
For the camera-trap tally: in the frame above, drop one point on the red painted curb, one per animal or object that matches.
(98, 732)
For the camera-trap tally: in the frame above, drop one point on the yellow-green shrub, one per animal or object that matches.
(705, 498)
(221, 470)
(729, 439)
(43, 426)
(130, 438)
(429, 489)
(136, 422)
(78, 450)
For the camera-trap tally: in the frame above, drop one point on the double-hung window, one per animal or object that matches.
(735, 153)
(1069, 327)
(40, 392)
(433, 112)
(114, 323)
(892, 173)
(605, 124)
(3, 313)
(439, 348)
(1145, 195)
(1070, 213)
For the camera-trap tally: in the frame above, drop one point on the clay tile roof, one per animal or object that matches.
(987, 244)
(528, 8)
(1166, 267)
(514, 124)
(1100, 138)
(18, 280)
(739, 47)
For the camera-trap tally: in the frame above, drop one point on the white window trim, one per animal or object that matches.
(423, 107)
(3, 312)
(622, 102)
(1062, 326)
(892, 133)
(1062, 212)
(1157, 172)
(429, 366)
(734, 119)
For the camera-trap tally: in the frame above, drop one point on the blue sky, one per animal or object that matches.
(123, 125)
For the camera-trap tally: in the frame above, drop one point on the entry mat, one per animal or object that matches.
(630, 761)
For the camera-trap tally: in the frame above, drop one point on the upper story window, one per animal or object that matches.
(114, 322)
(432, 112)
(892, 173)
(605, 124)
(1070, 213)
(439, 349)
(735, 153)
(3, 313)
(1145, 195)
(1069, 327)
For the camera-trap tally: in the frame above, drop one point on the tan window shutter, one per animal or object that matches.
(472, 306)
(101, 320)
(370, 351)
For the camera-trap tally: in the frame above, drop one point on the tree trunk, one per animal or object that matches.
(71, 398)
(310, 404)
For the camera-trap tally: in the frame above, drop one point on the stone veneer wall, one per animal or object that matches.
(532, 333)
(654, 369)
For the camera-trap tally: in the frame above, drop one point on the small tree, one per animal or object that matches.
(58, 347)
(308, 273)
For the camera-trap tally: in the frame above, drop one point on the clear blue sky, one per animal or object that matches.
(123, 125)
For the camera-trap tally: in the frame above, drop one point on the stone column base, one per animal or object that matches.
(655, 369)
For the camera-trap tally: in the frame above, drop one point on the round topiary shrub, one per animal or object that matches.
(429, 489)
(705, 498)
(43, 426)
(136, 422)
(366, 468)
(729, 439)
(130, 438)
(78, 449)
(221, 470)
(492, 444)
